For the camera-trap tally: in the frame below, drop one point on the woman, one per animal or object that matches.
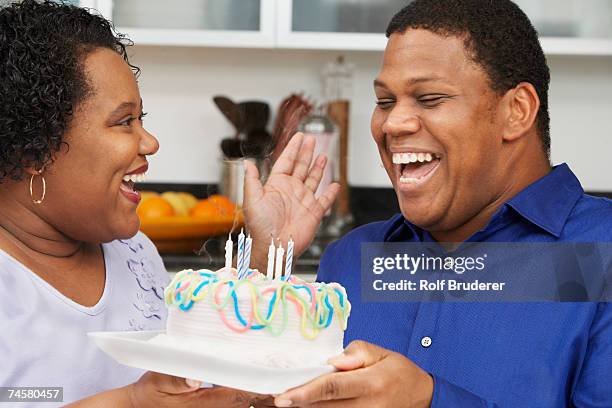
(72, 144)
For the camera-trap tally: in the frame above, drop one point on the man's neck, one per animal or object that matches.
(522, 179)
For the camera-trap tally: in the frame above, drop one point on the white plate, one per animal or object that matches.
(134, 349)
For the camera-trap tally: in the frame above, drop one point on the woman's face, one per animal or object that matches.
(87, 198)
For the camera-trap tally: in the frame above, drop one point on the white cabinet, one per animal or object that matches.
(212, 23)
(572, 27)
(567, 27)
(335, 24)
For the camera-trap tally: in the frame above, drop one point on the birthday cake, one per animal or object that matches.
(280, 322)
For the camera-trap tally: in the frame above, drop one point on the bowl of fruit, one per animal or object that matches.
(178, 222)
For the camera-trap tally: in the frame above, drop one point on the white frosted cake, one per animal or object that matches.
(277, 322)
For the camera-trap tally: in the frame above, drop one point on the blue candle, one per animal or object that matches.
(240, 260)
(289, 260)
(242, 273)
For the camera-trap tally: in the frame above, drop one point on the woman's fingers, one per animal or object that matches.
(304, 158)
(316, 173)
(168, 383)
(286, 161)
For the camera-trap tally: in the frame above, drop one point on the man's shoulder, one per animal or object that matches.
(591, 203)
(350, 243)
(372, 232)
(591, 219)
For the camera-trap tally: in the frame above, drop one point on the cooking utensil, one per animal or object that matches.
(232, 179)
(232, 111)
(232, 148)
(338, 111)
(291, 111)
(256, 115)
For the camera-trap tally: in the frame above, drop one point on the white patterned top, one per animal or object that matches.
(43, 334)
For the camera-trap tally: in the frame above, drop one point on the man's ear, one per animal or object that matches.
(522, 105)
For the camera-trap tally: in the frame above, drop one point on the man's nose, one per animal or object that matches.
(401, 122)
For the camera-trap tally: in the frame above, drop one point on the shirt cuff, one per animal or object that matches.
(447, 394)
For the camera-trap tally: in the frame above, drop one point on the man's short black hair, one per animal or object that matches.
(42, 48)
(498, 36)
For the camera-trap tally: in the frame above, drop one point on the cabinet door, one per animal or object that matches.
(566, 27)
(335, 24)
(223, 23)
(572, 27)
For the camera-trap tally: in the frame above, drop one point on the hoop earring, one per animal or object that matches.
(44, 183)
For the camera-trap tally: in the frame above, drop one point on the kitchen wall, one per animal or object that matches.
(177, 86)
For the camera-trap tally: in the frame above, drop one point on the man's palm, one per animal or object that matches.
(286, 207)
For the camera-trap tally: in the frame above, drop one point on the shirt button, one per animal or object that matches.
(426, 341)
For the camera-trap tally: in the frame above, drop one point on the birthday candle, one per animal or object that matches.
(278, 272)
(289, 259)
(240, 260)
(271, 251)
(229, 246)
(247, 257)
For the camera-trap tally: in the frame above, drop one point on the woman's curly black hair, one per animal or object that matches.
(42, 80)
(499, 37)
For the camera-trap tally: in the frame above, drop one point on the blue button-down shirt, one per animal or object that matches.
(496, 354)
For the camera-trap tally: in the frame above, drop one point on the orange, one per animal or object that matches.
(154, 207)
(224, 205)
(204, 208)
(147, 194)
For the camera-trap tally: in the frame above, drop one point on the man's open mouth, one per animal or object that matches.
(416, 167)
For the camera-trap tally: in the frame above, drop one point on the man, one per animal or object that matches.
(463, 88)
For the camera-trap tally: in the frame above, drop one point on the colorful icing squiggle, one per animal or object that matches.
(316, 304)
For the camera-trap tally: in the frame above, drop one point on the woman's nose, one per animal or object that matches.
(148, 143)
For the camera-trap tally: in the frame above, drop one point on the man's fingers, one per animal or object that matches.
(336, 386)
(193, 384)
(253, 189)
(328, 197)
(359, 354)
(344, 362)
(345, 403)
(226, 397)
(304, 158)
(316, 173)
(286, 161)
(264, 402)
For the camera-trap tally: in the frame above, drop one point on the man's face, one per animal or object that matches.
(437, 128)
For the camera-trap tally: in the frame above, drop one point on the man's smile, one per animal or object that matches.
(414, 167)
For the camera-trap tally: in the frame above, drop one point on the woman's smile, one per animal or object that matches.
(129, 179)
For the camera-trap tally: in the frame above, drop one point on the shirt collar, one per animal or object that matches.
(398, 229)
(546, 203)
